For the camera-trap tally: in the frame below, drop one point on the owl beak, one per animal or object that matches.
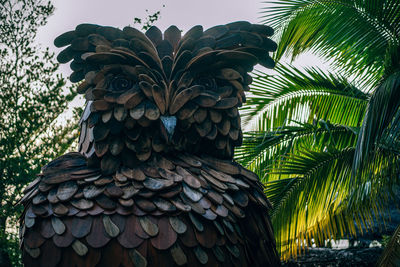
(169, 124)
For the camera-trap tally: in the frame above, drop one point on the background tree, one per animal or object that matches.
(32, 96)
(328, 143)
(148, 21)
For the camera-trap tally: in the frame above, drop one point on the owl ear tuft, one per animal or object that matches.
(65, 39)
(90, 47)
(155, 35)
(173, 36)
(237, 44)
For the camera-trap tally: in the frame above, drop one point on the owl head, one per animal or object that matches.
(151, 93)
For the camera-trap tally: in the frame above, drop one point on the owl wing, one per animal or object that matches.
(170, 211)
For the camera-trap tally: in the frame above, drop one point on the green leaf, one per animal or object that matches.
(298, 95)
(355, 33)
(380, 114)
(326, 183)
(313, 198)
(260, 150)
(391, 254)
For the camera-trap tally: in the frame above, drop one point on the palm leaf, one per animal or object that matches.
(313, 198)
(390, 138)
(391, 255)
(356, 33)
(261, 150)
(299, 95)
(380, 114)
(308, 181)
(315, 189)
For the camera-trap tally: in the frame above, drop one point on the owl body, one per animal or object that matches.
(154, 183)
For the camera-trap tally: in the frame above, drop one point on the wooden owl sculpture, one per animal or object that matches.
(154, 182)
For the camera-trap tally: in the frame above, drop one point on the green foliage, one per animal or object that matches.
(380, 118)
(359, 34)
(385, 240)
(391, 255)
(264, 150)
(326, 146)
(32, 96)
(293, 94)
(149, 20)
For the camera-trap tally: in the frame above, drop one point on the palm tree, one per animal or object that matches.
(327, 144)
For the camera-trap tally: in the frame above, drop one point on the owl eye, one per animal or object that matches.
(121, 83)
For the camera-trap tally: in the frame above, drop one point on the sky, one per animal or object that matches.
(119, 13)
(182, 13)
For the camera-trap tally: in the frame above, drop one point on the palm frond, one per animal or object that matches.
(318, 187)
(356, 33)
(302, 95)
(380, 114)
(390, 138)
(391, 255)
(261, 150)
(314, 200)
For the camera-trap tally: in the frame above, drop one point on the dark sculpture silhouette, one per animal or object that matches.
(154, 182)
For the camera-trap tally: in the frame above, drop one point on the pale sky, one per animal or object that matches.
(120, 13)
(183, 14)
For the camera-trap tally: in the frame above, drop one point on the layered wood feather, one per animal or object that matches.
(154, 183)
(132, 78)
(175, 210)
